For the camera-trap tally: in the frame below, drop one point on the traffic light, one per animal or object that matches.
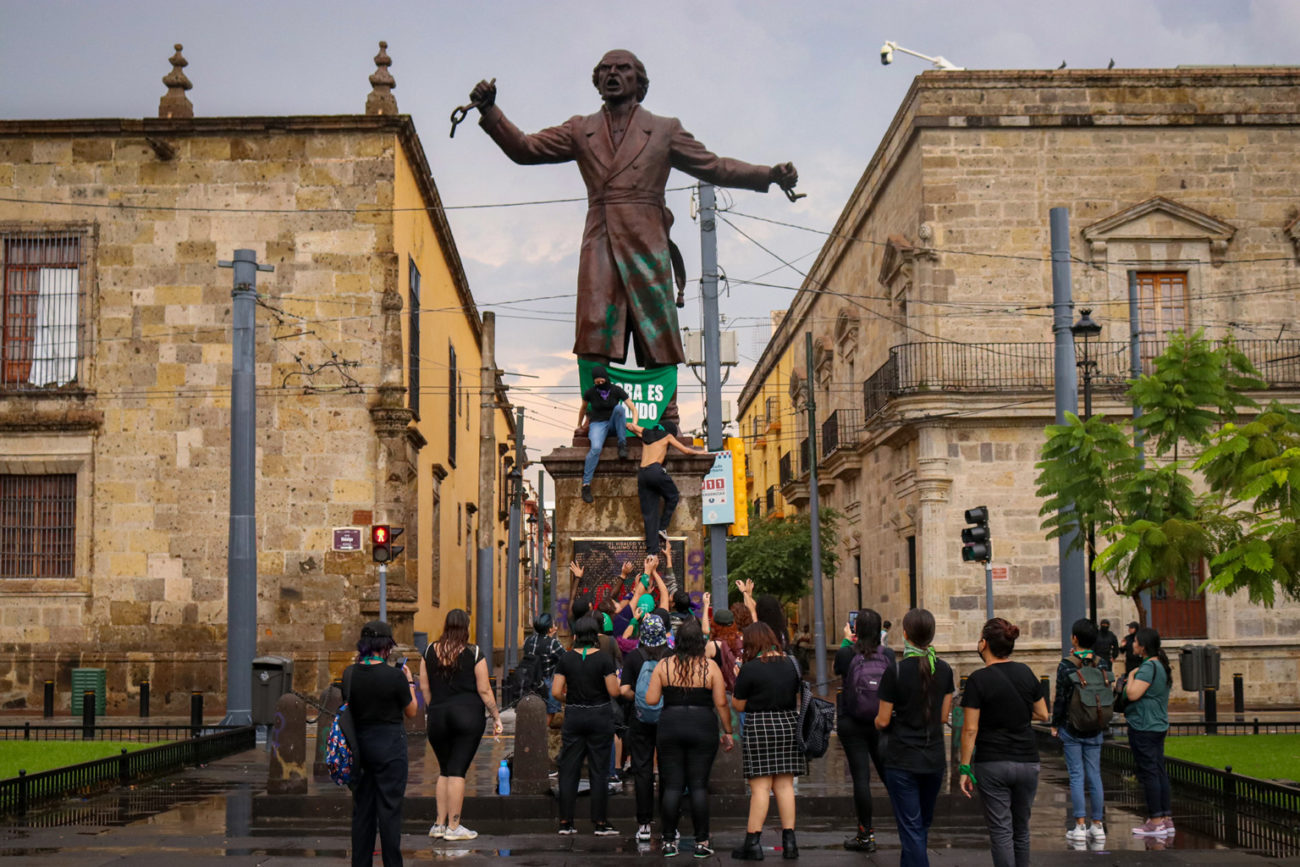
(382, 548)
(977, 541)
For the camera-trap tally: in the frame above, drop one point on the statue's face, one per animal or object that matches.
(616, 76)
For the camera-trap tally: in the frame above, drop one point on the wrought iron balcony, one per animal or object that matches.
(771, 498)
(971, 368)
(803, 457)
(787, 471)
(841, 429)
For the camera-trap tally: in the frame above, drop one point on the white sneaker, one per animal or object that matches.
(643, 833)
(437, 831)
(460, 832)
(1077, 834)
(1096, 833)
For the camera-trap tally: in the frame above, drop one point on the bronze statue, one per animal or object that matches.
(625, 270)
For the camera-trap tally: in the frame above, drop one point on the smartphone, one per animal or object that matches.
(853, 621)
(401, 663)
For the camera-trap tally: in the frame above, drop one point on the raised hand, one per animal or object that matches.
(651, 564)
(575, 569)
(627, 569)
(746, 587)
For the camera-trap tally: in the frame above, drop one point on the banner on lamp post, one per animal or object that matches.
(718, 491)
(650, 390)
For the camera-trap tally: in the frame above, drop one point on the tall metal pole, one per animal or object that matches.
(542, 550)
(487, 474)
(383, 592)
(241, 552)
(1135, 369)
(1073, 603)
(1087, 365)
(814, 510)
(712, 375)
(988, 590)
(512, 544)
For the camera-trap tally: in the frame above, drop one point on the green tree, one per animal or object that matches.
(1153, 525)
(777, 555)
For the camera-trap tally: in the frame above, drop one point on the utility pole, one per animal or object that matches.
(814, 508)
(541, 543)
(512, 546)
(241, 552)
(487, 463)
(712, 374)
(1135, 368)
(1073, 602)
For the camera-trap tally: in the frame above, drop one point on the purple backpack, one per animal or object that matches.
(862, 686)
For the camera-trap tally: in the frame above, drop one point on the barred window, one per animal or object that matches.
(38, 525)
(39, 346)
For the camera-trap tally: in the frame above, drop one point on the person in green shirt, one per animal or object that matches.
(1147, 690)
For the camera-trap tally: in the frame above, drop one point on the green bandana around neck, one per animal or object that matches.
(910, 650)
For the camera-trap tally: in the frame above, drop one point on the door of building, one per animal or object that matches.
(1174, 617)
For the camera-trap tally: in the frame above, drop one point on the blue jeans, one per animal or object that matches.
(913, 796)
(597, 432)
(1083, 761)
(552, 703)
(1149, 762)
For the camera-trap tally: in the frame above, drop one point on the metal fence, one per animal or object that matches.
(787, 471)
(1250, 813)
(132, 733)
(841, 430)
(914, 368)
(20, 793)
(1256, 726)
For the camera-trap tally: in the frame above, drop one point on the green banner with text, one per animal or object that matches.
(650, 390)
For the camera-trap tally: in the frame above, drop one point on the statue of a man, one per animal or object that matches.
(625, 271)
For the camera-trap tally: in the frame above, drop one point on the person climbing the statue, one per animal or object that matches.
(605, 407)
(654, 487)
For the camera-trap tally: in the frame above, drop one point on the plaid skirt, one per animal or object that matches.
(771, 745)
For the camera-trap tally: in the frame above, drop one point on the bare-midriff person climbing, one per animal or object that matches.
(654, 487)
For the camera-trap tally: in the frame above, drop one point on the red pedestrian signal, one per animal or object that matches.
(382, 549)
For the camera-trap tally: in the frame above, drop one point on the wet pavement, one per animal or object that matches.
(221, 814)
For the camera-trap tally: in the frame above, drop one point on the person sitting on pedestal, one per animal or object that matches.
(605, 406)
(654, 487)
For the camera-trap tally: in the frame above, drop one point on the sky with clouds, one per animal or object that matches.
(759, 80)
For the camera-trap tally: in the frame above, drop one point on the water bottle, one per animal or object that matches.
(503, 778)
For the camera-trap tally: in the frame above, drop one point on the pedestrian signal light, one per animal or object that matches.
(977, 541)
(382, 548)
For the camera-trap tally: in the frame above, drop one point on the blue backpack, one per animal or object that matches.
(646, 712)
(339, 757)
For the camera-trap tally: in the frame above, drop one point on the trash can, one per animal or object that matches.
(90, 678)
(1191, 670)
(272, 678)
(1209, 666)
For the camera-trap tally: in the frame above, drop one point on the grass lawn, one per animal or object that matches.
(34, 756)
(1265, 756)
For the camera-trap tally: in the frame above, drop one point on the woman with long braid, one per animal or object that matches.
(915, 698)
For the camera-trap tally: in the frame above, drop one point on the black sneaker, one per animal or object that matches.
(865, 841)
(702, 850)
(622, 450)
(670, 849)
(586, 494)
(567, 829)
(604, 829)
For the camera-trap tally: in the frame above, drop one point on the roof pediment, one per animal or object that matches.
(1160, 219)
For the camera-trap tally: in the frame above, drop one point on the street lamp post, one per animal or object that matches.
(1088, 328)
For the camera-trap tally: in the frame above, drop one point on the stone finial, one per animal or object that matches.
(381, 99)
(175, 103)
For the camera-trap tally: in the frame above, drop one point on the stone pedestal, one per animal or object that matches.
(287, 770)
(616, 511)
(532, 762)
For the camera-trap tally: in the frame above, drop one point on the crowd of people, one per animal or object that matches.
(680, 684)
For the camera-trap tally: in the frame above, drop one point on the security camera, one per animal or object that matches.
(886, 54)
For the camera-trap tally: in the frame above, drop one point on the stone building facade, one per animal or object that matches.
(115, 392)
(933, 379)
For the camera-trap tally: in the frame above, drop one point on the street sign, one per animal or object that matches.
(719, 491)
(1001, 573)
(347, 538)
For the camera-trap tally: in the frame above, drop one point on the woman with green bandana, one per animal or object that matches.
(915, 698)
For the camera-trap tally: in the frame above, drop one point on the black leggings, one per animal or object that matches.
(688, 743)
(588, 733)
(640, 745)
(658, 495)
(455, 731)
(377, 799)
(861, 742)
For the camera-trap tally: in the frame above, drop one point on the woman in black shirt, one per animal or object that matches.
(767, 692)
(692, 687)
(456, 689)
(586, 681)
(378, 697)
(915, 699)
(858, 735)
(1001, 700)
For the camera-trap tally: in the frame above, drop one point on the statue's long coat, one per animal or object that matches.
(625, 281)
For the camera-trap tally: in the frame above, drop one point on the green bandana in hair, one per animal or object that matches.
(910, 650)
(608, 622)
